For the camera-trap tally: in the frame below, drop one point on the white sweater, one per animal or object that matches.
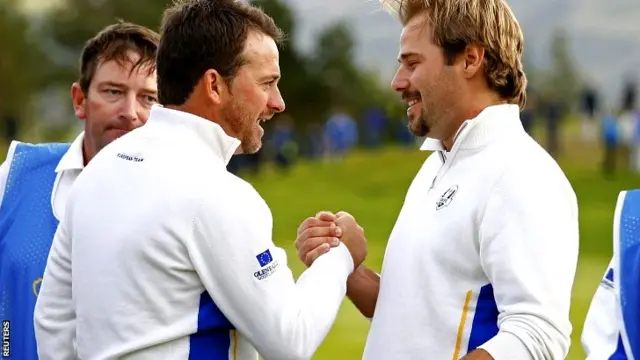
(163, 254)
(483, 253)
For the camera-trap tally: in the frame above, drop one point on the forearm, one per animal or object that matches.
(363, 286)
(507, 346)
(478, 355)
(300, 314)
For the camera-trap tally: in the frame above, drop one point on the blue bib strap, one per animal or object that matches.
(627, 250)
(27, 227)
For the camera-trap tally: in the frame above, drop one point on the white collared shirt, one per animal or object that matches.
(484, 251)
(68, 169)
(170, 250)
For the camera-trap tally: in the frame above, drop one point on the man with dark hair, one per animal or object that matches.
(173, 257)
(113, 95)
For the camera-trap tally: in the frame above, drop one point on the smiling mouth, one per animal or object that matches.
(264, 119)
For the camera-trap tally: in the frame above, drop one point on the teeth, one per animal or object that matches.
(412, 102)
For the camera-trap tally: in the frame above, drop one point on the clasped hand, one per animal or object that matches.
(318, 234)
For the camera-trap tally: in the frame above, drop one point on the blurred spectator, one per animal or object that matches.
(528, 113)
(635, 147)
(553, 112)
(313, 144)
(610, 138)
(588, 114)
(284, 142)
(628, 123)
(340, 134)
(375, 122)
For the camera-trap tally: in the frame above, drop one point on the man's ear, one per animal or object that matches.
(79, 99)
(215, 85)
(473, 57)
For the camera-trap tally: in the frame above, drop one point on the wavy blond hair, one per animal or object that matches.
(488, 23)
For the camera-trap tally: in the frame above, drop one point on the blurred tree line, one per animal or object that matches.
(561, 81)
(39, 56)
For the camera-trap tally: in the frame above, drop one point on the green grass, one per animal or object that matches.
(372, 187)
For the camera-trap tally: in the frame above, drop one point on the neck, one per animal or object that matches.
(205, 112)
(472, 109)
(87, 154)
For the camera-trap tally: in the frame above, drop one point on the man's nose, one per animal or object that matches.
(129, 108)
(276, 103)
(400, 81)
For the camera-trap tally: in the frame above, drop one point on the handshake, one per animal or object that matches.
(317, 235)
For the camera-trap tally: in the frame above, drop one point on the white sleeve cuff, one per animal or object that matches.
(506, 346)
(345, 257)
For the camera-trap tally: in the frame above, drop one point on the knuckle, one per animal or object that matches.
(315, 254)
(320, 231)
(307, 233)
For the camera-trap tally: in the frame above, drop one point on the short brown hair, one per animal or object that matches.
(112, 43)
(198, 35)
(489, 23)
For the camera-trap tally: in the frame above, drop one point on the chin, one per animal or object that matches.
(419, 129)
(251, 147)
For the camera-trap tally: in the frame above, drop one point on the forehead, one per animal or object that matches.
(121, 72)
(261, 53)
(416, 34)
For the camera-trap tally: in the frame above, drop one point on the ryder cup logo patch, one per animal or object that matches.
(446, 198)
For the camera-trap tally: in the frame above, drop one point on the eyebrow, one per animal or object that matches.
(404, 56)
(112, 84)
(272, 77)
(122, 86)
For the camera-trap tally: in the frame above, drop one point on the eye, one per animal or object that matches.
(149, 99)
(113, 92)
(269, 84)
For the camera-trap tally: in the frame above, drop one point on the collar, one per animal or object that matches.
(208, 131)
(492, 122)
(73, 159)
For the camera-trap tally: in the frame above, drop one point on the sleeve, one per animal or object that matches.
(601, 332)
(54, 316)
(4, 169)
(248, 278)
(529, 251)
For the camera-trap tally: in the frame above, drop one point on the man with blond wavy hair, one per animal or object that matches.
(482, 259)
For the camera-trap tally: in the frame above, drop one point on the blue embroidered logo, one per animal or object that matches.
(264, 258)
(607, 281)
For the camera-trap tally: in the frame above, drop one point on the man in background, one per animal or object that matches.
(172, 254)
(481, 261)
(612, 326)
(112, 96)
